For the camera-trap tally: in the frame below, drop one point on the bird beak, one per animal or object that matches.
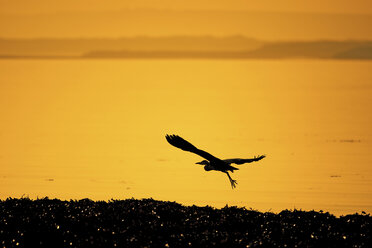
(198, 163)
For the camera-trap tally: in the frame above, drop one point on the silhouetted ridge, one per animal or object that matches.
(180, 47)
(78, 47)
(169, 54)
(303, 49)
(362, 52)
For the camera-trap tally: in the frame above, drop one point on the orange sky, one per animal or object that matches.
(267, 20)
(330, 6)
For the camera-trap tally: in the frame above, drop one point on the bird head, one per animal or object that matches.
(204, 162)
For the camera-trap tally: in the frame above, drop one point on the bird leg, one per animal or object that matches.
(232, 181)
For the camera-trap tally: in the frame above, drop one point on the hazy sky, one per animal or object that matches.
(329, 6)
(269, 20)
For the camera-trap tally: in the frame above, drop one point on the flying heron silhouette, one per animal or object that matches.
(211, 162)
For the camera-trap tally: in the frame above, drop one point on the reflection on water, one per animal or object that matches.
(95, 129)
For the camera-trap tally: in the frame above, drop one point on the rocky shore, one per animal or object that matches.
(150, 223)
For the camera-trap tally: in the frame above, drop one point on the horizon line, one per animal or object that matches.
(144, 36)
(216, 10)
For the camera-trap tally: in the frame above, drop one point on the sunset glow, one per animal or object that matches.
(80, 127)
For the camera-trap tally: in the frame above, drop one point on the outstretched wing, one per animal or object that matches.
(243, 161)
(182, 144)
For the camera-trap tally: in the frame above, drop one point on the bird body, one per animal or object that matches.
(221, 165)
(211, 162)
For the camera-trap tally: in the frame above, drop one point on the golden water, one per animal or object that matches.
(95, 129)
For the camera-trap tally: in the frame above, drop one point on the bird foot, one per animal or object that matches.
(233, 183)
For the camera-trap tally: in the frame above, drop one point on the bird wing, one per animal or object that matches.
(182, 144)
(243, 161)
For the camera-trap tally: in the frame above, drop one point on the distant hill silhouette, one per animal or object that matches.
(307, 49)
(269, 50)
(164, 54)
(361, 52)
(233, 47)
(78, 47)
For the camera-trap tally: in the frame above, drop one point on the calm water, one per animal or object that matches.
(95, 129)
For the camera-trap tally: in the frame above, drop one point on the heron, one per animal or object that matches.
(211, 162)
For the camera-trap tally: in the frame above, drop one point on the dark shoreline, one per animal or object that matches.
(150, 223)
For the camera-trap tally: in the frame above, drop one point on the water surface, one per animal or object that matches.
(95, 129)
